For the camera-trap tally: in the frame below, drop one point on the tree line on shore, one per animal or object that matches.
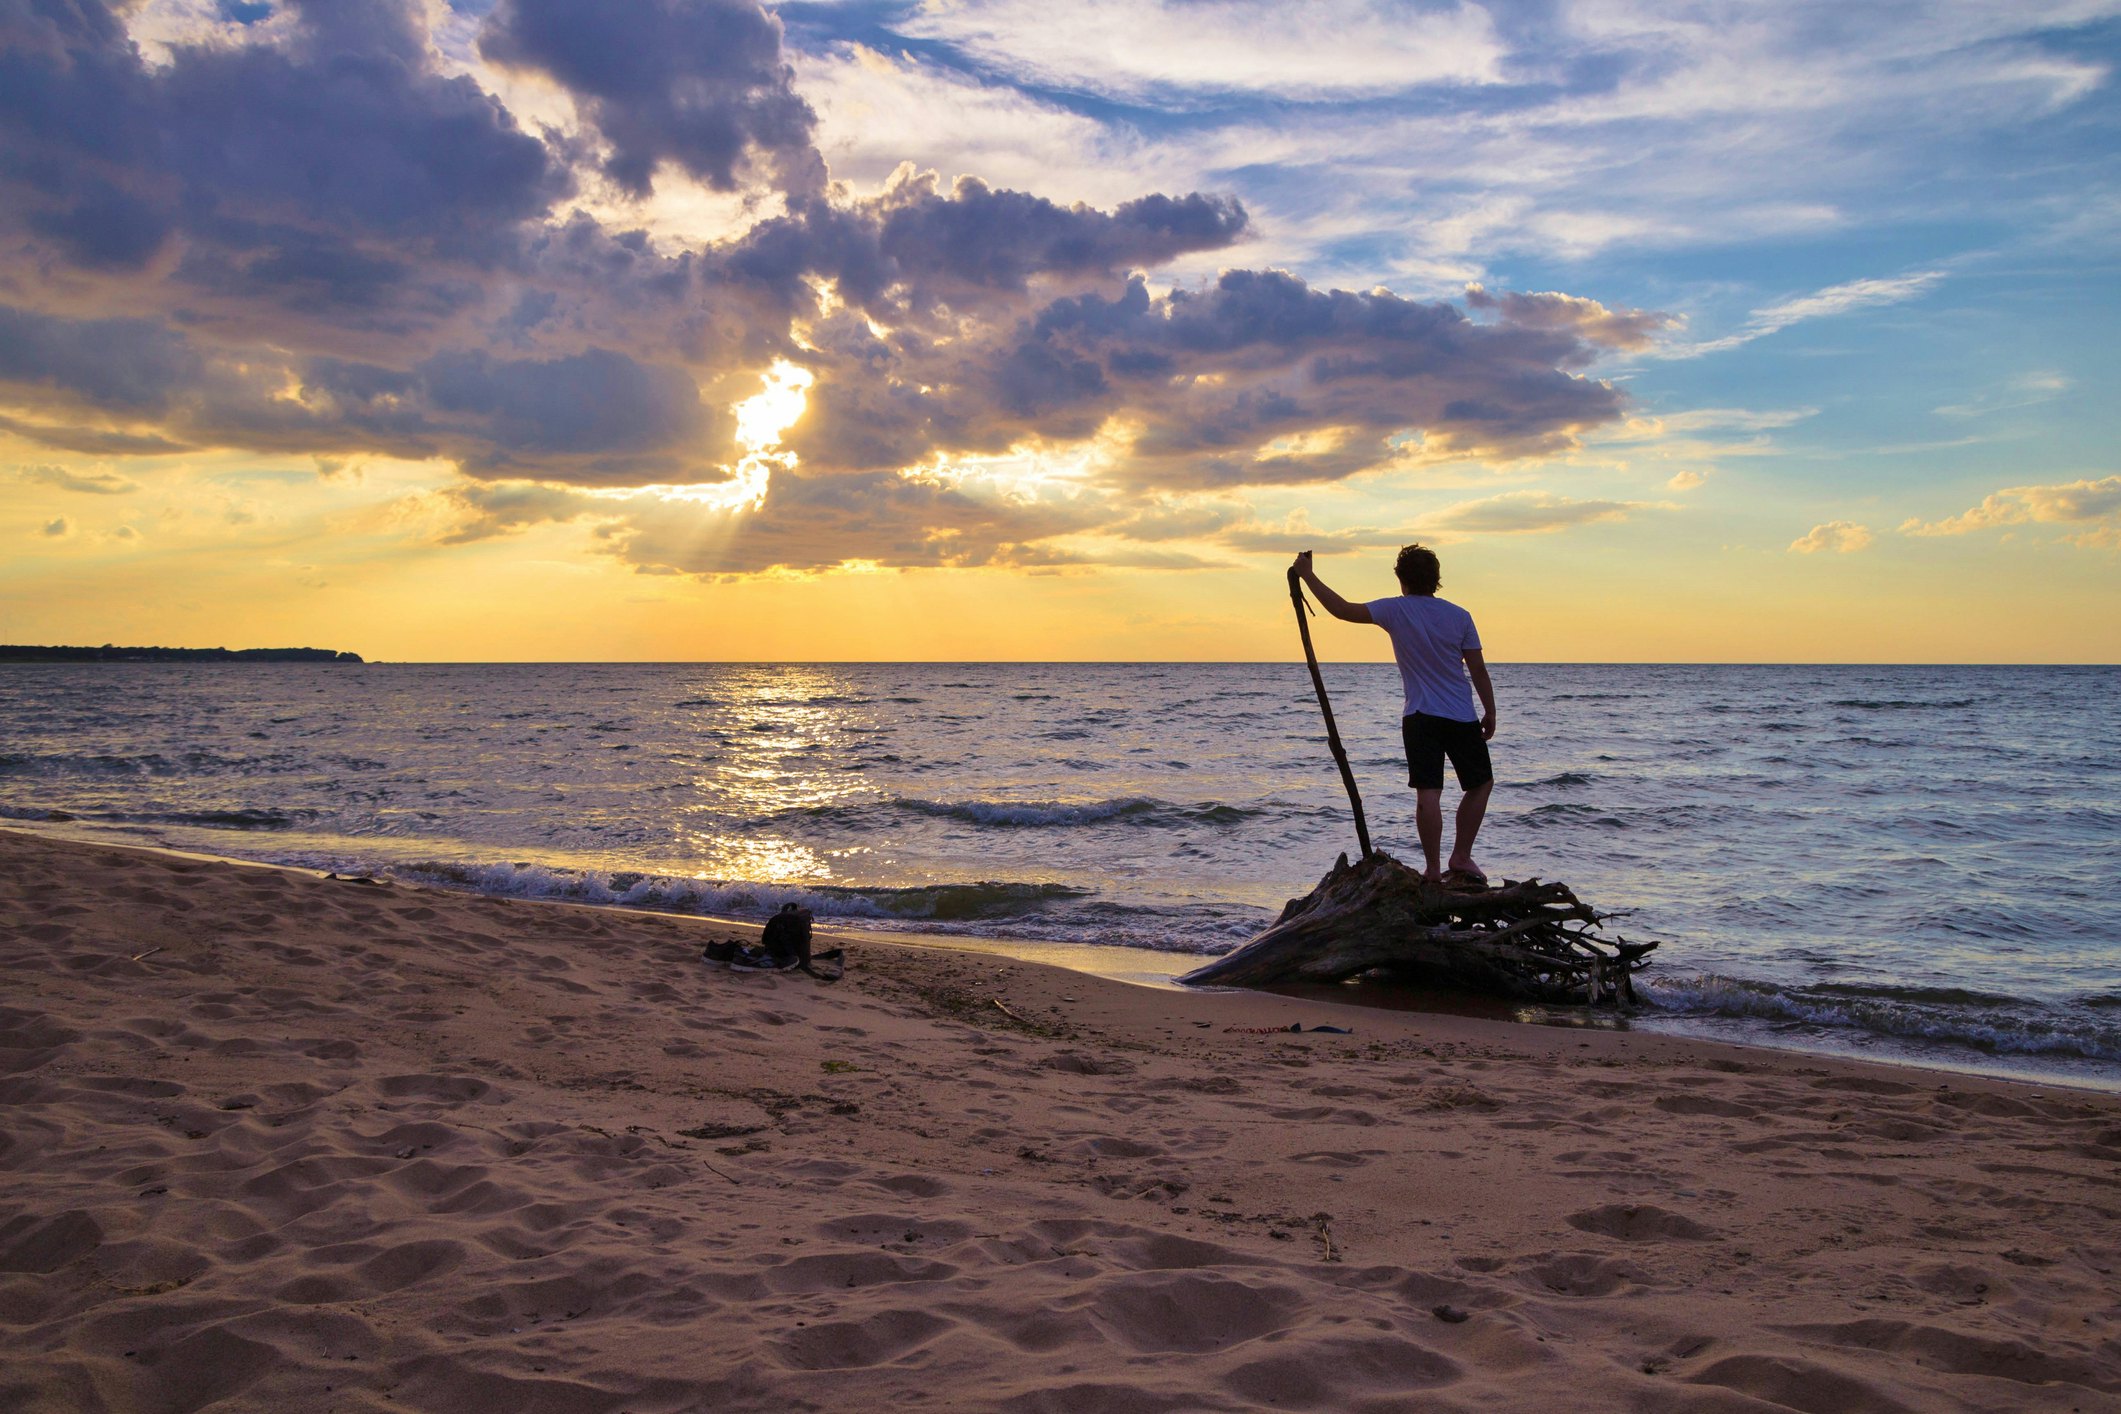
(110, 653)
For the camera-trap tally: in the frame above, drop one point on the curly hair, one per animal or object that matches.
(1418, 570)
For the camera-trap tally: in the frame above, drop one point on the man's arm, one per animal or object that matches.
(1477, 670)
(1338, 607)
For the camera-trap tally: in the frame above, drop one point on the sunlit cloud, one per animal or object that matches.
(1527, 512)
(1837, 537)
(2094, 505)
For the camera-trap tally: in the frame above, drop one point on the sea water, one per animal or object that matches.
(1913, 863)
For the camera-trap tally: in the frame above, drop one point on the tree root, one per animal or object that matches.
(1525, 940)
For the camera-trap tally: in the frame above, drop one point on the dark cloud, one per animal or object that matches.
(697, 83)
(1257, 379)
(497, 509)
(304, 237)
(1583, 319)
(914, 246)
(314, 173)
(616, 418)
(120, 365)
(598, 416)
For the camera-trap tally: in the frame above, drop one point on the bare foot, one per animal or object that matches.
(1465, 865)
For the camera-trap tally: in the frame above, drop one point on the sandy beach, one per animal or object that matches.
(276, 1141)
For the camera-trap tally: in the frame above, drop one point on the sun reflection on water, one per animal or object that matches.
(783, 756)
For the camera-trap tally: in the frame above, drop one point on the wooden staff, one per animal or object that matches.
(1340, 755)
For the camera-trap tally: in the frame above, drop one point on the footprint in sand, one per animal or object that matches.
(1584, 1274)
(854, 1345)
(1631, 1222)
(1338, 1158)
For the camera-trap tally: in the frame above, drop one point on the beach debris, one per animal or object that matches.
(1004, 1010)
(1294, 1026)
(143, 956)
(1377, 918)
(1322, 1225)
(1449, 1314)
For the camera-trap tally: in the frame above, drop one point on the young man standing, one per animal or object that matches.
(1438, 652)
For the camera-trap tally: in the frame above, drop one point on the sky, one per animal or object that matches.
(1686, 330)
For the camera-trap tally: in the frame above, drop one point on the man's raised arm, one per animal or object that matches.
(1338, 607)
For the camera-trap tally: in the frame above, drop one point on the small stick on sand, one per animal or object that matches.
(719, 1174)
(1006, 1012)
(138, 956)
(1324, 1223)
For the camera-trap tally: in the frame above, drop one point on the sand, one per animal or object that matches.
(344, 1146)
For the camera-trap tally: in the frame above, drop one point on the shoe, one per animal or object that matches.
(754, 961)
(719, 954)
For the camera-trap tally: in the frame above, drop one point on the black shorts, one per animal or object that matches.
(1430, 739)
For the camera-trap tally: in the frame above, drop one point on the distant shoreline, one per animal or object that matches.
(110, 653)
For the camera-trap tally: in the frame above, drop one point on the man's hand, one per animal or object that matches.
(1303, 564)
(1487, 727)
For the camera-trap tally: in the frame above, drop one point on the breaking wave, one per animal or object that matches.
(1033, 814)
(986, 899)
(1953, 1015)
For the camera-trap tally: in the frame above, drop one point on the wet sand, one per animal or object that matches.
(273, 1141)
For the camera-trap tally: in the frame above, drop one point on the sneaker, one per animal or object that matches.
(719, 954)
(755, 960)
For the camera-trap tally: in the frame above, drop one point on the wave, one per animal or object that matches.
(1032, 814)
(240, 819)
(1897, 704)
(984, 899)
(1997, 1026)
(153, 763)
(1561, 781)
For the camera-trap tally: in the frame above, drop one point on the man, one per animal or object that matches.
(1438, 651)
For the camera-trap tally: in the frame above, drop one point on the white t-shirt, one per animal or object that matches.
(1429, 638)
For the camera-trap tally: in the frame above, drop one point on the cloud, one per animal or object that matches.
(2095, 505)
(879, 111)
(1586, 319)
(1146, 50)
(2026, 390)
(1838, 537)
(320, 232)
(1257, 379)
(72, 436)
(700, 84)
(57, 528)
(1820, 304)
(1527, 512)
(1687, 480)
(94, 483)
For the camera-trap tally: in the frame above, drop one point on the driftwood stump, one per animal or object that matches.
(1526, 940)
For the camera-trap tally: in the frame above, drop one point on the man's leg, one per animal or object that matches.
(1428, 819)
(1472, 809)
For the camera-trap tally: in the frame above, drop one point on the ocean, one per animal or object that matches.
(1915, 864)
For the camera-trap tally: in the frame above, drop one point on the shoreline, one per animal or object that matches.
(1158, 969)
(278, 1141)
